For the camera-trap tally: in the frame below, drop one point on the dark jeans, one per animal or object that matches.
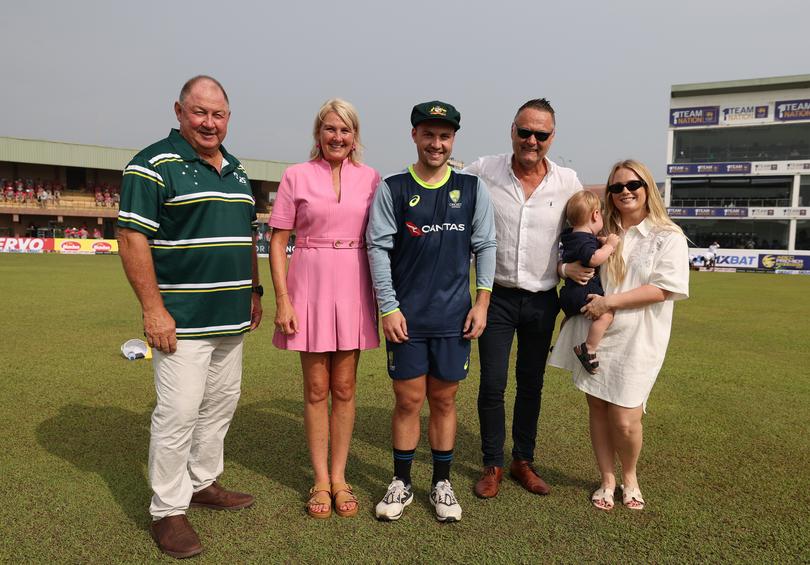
(532, 316)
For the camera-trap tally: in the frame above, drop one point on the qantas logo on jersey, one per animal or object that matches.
(417, 231)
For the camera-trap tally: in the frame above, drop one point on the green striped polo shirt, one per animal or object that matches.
(200, 226)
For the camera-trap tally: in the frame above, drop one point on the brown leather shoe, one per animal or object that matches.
(216, 497)
(524, 473)
(175, 536)
(489, 483)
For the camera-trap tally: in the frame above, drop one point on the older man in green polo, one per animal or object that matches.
(187, 225)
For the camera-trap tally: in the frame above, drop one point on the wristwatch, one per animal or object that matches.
(258, 289)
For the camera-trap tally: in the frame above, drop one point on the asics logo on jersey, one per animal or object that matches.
(414, 201)
(416, 231)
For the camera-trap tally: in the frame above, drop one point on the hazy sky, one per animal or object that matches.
(107, 72)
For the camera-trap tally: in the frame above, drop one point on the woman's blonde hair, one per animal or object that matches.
(346, 112)
(656, 213)
(580, 206)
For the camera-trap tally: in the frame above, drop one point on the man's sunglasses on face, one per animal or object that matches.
(540, 136)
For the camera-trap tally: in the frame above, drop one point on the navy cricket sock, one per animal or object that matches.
(403, 459)
(441, 465)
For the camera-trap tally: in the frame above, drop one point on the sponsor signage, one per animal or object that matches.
(696, 116)
(745, 114)
(737, 260)
(734, 260)
(263, 234)
(709, 169)
(779, 213)
(85, 246)
(791, 110)
(756, 213)
(707, 212)
(768, 167)
(727, 259)
(784, 262)
(25, 245)
(58, 245)
(102, 246)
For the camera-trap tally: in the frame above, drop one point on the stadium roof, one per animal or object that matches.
(42, 152)
(732, 86)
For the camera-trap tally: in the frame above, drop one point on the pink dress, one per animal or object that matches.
(328, 279)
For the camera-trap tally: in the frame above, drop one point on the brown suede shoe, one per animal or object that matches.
(175, 536)
(524, 473)
(489, 483)
(216, 497)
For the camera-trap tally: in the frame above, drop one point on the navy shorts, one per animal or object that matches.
(445, 358)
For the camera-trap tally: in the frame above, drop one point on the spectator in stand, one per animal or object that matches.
(107, 198)
(97, 234)
(9, 191)
(83, 233)
(57, 193)
(99, 196)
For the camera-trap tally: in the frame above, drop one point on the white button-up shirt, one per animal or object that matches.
(528, 231)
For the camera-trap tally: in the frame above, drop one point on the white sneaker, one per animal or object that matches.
(393, 504)
(444, 501)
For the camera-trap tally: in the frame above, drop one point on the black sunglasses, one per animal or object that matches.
(527, 133)
(632, 186)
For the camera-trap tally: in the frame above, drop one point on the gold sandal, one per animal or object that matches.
(343, 494)
(320, 496)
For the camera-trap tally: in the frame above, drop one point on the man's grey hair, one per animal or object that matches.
(540, 104)
(184, 92)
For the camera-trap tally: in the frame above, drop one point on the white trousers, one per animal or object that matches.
(197, 389)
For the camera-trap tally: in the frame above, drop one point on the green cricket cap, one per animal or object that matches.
(436, 110)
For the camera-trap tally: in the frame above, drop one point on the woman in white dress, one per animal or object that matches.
(644, 277)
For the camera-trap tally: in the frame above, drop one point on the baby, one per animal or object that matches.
(580, 243)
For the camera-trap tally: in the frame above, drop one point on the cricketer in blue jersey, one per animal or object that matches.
(423, 226)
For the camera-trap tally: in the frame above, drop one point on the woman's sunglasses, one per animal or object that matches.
(632, 186)
(540, 136)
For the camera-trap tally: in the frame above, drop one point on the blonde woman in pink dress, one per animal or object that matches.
(325, 305)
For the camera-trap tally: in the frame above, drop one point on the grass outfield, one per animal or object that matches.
(725, 468)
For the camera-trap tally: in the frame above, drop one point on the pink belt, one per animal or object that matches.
(309, 242)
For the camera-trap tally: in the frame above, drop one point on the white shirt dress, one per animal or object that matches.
(632, 351)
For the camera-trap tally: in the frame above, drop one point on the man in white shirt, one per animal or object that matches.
(529, 193)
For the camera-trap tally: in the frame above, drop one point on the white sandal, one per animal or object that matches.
(602, 498)
(632, 495)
